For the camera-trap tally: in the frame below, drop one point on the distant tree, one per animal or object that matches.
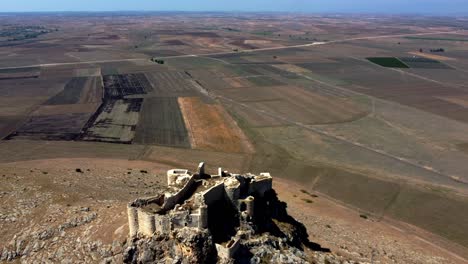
(437, 50)
(157, 61)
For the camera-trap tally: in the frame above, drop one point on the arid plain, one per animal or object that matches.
(362, 120)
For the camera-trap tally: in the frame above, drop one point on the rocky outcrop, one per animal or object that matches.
(224, 218)
(180, 246)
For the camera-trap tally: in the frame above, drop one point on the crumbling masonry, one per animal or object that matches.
(192, 200)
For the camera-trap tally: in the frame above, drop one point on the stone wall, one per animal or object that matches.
(170, 218)
(172, 175)
(260, 185)
(214, 194)
(162, 224)
(177, 198)
(132, 220)
(146, 224)
(228, 251)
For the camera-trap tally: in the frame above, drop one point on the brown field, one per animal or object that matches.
(294, 104)
(92, 92)
(395, 85)
(431, 56)
(291, 68)
(211, 128)
(236, 82)
(45, 110)
(459, 100)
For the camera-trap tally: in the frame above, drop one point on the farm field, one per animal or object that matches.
(389, 62)
(211, 128)
(345, 107)
(423, 63)
(162, 123)
(294, 104)
(120, 86)
(116, 121)
(71, 93)
(170, 83)
(50, 127)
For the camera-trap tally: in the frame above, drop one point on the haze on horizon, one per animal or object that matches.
(433, 7)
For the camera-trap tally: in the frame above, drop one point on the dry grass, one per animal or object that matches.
(211, 128)
(432, 56)
(236, 82)
(291, 68)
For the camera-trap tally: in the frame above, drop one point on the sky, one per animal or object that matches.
(436, 7)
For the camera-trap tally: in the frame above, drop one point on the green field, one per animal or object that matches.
(389, 62)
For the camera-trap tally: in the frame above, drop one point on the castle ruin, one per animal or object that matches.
(223, 203)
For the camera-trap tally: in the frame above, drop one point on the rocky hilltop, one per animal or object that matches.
(223, 218)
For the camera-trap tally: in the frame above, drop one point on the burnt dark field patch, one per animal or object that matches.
(19, 77)
(119, 86)
(161, 123)
(20, 70)
(388, 62)
(71, 93)
(52, 127)
(20, 73)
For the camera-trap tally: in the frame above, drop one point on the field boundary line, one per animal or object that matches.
(239, 52)
(361, 146)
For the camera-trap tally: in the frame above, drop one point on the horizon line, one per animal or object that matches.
(246, 11)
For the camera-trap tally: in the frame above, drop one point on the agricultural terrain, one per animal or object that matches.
(362, 118)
